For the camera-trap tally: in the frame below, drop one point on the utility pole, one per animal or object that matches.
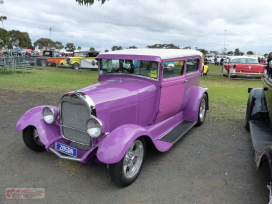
(50, 29)
(225, 42)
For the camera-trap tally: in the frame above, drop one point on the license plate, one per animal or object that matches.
(66, 149)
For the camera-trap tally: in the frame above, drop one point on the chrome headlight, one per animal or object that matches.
(49, 115)
(94, 127)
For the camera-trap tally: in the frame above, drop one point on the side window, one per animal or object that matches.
(173, 69)
(192, 65)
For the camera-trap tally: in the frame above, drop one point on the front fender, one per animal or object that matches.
(257, 106)
(34, 117)
(192, 105)
(73, 61)
(113, 148)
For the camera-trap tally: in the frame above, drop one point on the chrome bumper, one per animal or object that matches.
(63, 156)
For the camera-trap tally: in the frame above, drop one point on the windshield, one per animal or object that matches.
(132, 67)
(245, 60)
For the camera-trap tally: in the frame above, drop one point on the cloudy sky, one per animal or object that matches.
(205, 24)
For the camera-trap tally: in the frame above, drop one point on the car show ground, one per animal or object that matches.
(213, 163)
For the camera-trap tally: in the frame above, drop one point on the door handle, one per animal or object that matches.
(185, 80)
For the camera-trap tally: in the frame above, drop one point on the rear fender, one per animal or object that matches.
(113, 148)
(34, 117)
(192, 105)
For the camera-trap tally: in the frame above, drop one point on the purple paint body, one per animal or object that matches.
(141, 93)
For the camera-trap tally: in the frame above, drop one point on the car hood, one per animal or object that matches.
(119, 88)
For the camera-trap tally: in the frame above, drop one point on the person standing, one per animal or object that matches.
(221, 61)
(215, 61)
(205, 60)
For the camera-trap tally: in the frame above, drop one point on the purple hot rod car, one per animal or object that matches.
(144, 96)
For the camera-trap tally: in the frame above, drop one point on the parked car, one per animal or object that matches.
(34, 60)
(259, 121)
(243, 66)
(144, 96)
(54, 61)
(81, 60)
(210, 60)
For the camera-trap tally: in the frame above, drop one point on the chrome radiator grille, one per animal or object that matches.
(74, 115)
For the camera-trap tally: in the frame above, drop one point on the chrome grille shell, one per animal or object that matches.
(75, 109)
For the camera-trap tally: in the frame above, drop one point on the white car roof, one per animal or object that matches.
(162, 53)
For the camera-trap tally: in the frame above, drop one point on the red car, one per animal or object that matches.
(243, 66)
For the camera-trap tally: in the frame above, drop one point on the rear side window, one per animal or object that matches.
(173, 69)
(192, 65)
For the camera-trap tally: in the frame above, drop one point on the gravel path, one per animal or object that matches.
(211, 164)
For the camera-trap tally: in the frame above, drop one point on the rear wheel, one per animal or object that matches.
(126, 171)
(32, 139)
(43, 63)
(76, 66)
(202, 110)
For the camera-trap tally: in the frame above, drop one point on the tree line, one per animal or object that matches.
(17, 39)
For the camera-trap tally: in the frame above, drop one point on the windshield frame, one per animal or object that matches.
(155, 63)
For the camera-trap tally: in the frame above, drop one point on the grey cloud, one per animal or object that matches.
(140, 23)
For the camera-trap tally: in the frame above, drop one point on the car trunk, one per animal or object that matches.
(250, 68)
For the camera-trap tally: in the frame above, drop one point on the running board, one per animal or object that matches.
(178, 132)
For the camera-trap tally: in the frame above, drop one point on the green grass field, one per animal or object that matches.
(50, 80)
(228, 97)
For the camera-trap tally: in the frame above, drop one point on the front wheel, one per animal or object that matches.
(202, 110)
(76, 66)
(126, 171)
(32, 139)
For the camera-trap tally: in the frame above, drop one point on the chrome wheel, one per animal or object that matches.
(36, 137)
(202, 110)
(76, 66)
(133, 159)
(32, 139)
(126, 171)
